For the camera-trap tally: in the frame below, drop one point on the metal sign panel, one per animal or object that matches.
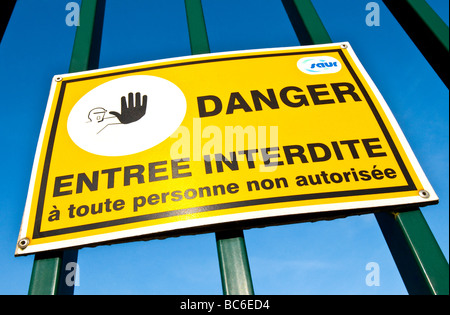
(197, 141)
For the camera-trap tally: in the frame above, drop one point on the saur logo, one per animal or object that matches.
(319, 65)
(126, 115)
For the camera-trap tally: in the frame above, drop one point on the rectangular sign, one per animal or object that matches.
(194, 142)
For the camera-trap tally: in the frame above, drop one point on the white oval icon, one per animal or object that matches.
(126, 115)
(319, 65)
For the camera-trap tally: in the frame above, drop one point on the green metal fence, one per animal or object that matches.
(416, 253)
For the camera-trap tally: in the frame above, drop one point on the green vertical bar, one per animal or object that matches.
(197, 28)
(47, 277)
(81, 52)
(426, 29)
(312, 22)
(427, 253)
(234, 265)
(233, 259)
(45, 274)
(436, 25)
(419, 259)
(48, 274)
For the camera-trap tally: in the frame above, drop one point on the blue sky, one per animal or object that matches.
(326, 257)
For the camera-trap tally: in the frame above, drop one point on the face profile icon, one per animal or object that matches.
(126, 115)
(97, 114)
(131, 111)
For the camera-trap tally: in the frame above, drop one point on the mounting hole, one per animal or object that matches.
(23, 243)
(424, 194)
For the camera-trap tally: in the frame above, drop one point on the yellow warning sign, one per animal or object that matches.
(195, 142)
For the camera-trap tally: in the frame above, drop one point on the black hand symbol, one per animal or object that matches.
(133, 111)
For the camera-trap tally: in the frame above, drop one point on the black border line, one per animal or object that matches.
(37, 233)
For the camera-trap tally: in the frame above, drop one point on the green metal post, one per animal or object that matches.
(426, 29)
(197, 28)
(234, 265)
(48, 276)
(306, 22)
(233, 259)
(418, 257)
(49, 269)
(45, 274)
